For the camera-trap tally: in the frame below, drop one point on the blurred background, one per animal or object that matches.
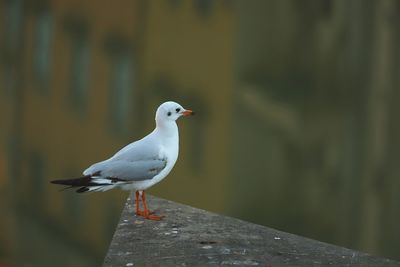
(296, 124)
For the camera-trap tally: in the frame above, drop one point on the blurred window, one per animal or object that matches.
(78, 32)
(12, 23)
(36, 173)
(175, 3)
(79, 70)
(4, 165)
(13, 160)
(11, 27)
(121, 87)
(8, 74)
(42, 54)
(121, 58)
(326, 8)
(204, 7)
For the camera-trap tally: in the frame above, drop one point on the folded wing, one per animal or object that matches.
(127, 170)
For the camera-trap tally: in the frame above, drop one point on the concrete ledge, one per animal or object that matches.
(194, 237)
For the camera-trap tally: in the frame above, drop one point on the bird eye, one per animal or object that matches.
(169, 113)
(178, 109)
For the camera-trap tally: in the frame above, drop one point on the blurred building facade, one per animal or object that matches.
(67, 86)
(295, 126)
(82, 79)
(315, 88)
(182, 40)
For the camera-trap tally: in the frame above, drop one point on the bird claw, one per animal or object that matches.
(142, 213)
(154, 217)
(149, 215)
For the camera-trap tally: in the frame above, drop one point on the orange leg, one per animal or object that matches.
(146, 213)
(138, 211)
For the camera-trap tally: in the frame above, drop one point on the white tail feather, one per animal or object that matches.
(100, 188)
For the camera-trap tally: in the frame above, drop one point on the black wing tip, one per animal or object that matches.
(81, 181)
(82, 190)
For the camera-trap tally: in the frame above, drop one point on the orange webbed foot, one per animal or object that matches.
(146, 213)
(143, 214)
(149, 215)
(154, 217)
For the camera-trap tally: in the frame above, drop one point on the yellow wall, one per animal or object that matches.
(69, 139)
(183, 46)
(173, 42)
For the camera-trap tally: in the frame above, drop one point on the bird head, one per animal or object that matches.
(171, 111)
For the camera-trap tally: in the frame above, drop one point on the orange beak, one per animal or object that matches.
(188, 112)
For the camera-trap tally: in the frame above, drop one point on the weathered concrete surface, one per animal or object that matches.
(193, 237)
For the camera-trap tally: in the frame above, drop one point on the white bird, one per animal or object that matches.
(140, 164)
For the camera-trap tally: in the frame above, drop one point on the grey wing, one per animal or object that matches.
(135, 162)
(128, 170)
(144, 149)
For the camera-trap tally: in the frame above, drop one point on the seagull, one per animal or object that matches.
(139, 165)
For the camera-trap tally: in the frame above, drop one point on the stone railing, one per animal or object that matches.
(192, 237)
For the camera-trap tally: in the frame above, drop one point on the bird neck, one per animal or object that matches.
(167, 128)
